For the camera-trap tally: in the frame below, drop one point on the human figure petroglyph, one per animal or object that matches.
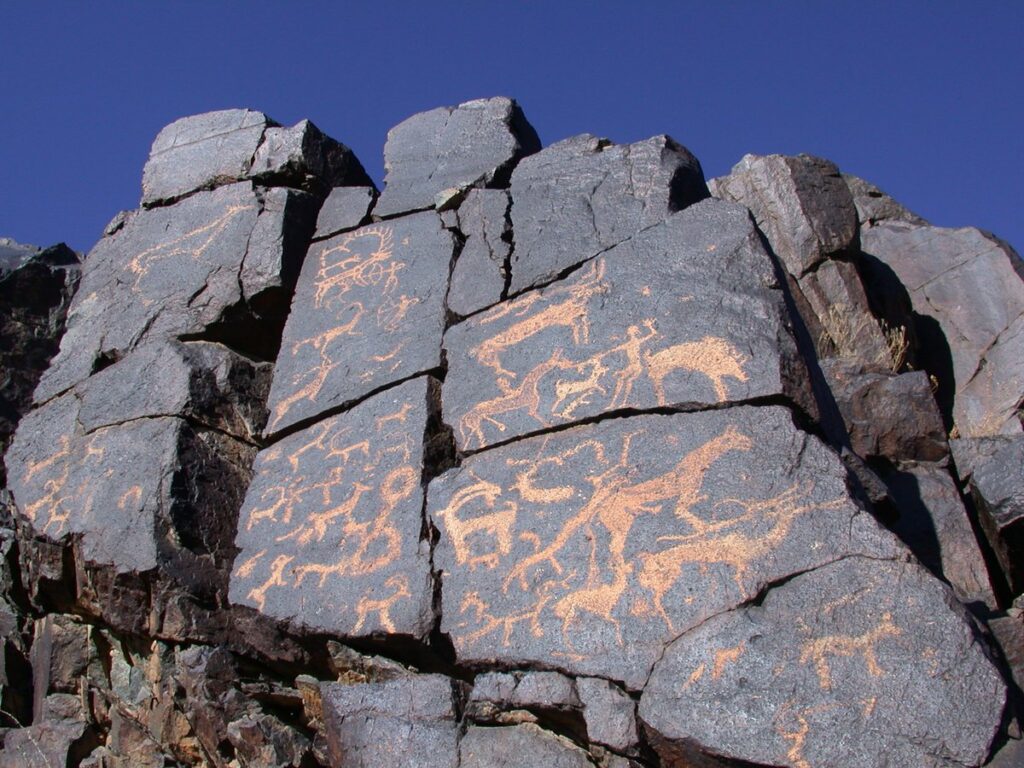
(526, 396)
(570, 313)
(736, 542)
(497, 523)
(712, 357)
(818, 650)
(382, 607)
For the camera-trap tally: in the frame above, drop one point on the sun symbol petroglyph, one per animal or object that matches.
(361, 258)
(193, 244)
(818, 650)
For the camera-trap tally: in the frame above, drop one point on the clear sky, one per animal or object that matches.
(922, 98)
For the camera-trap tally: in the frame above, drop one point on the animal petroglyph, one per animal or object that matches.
(713, 357)
(361, 258)
(818, 650)
(497, 523)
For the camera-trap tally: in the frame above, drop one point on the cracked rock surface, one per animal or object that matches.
(538, 457)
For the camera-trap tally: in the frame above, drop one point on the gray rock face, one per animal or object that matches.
(519, 745)
(589, 549)
(479, 276)
(857, 647)
(406, 722)
(345, 208)
(330, 532)
(434, 157)
(939, 267)
(36, 287)
(801, 204)
(994, 468)
(137, 493)
(609, 712)
(937, 528)
(594, 194)
(215, 148)
(685, 313)
(178, 271)
(887, 415)
(200, 380)
(874, 206)
(368, 311)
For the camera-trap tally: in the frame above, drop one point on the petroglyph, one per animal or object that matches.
(368, 310)
(818, 650)
(597, 542)
(336, 512)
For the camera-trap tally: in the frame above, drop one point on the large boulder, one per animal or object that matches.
(594, 194)
(434, 157)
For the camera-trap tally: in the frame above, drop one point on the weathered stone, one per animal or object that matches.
(801, 204)
(889, 415)
(594, 194)
(208, 678)
(526, 689)
(368, 312)
(345, 208)
(62, 654)
(940, 268)
(216, 148)
(589, 549)
(353, 667)
(330, 532)
(35, 290)
(363, 723)
(478, 278)
(873, 651)
(519, 745)
(151, 492)
(874, 206)
(264, 741)
(437, 155)
(994, 468)
(688, 312)
(220, 259)
(302, 156)
(1008, 630)
(203, 381)
(836, 295)
(609, 712)
(934, 524)
(44, 745)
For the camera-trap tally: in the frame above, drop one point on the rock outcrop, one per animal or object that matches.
(542, 456)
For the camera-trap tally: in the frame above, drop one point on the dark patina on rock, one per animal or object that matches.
(216, 148)
(478, 278)
(688, 312)
(593, 194)
(525, 744)
(434, 157)
(859, 647)
(180, 270)
(409, 721)
(589, 549)
(345, 208)
(148, 493)
(330, 535)
(368, 311)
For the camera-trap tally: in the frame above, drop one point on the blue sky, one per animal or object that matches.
(924, 99)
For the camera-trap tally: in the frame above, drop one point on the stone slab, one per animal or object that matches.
(859, 663)
(345, 208)
(478, 278)
(434, 157)
(519, 745)
(330, 534)
(177, 271)
(589, 549)
(368, 311)
(408, 722)
(686, 313)
(593, 194)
